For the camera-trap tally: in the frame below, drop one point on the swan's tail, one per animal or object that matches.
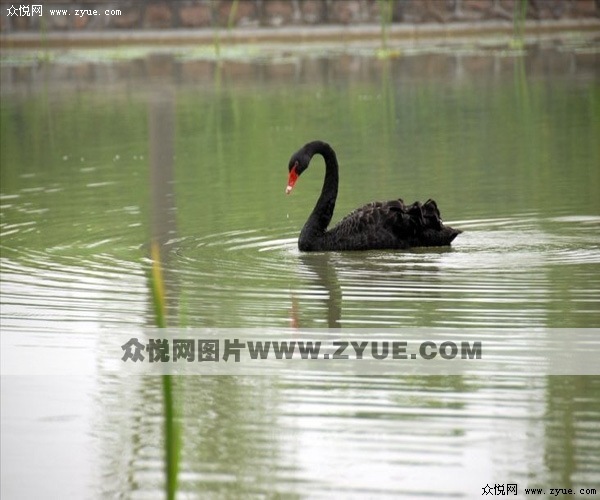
(428, 226)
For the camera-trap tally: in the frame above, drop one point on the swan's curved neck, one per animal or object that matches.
(319, 219)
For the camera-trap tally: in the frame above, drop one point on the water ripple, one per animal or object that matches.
(41, 290)
(499, 271)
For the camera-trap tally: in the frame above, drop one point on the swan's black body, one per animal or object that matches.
(376, 226)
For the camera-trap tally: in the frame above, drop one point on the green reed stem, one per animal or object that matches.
(519, 22)
(172, 445)
(231, 17)
(385, 9)
(157, 286)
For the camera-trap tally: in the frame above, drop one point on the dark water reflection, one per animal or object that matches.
(99, 157)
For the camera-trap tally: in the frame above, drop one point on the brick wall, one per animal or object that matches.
(176, 14)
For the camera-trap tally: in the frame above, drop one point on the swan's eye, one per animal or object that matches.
(292, 179)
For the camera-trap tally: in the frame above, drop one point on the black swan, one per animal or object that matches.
(376, 226)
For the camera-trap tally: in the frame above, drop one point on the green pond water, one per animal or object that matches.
(100, 156)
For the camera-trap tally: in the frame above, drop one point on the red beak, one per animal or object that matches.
(291, 180)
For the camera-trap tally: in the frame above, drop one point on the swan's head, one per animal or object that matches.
(298, 164)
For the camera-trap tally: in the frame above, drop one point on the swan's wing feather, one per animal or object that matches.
(375, 225)
(390, 224)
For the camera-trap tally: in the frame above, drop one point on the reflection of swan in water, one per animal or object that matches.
(322, 273)
(379, 288)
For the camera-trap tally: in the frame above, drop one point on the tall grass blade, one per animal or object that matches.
(157, 286)
(172, 445)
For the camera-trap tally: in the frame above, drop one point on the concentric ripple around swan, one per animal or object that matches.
(501, 270)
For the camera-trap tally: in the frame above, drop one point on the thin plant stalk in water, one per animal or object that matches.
(385, 12)
(230, 21)
(519, 17)
(170, 425)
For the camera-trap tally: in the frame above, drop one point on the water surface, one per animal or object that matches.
(98, 157)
